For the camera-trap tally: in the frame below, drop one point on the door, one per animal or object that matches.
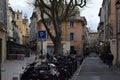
(72, 48)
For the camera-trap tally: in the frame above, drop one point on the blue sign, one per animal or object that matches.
(42, 34)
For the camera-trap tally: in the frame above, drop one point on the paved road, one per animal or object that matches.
(13, 68)
(94, 69)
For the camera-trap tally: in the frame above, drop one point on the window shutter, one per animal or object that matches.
(74, 36)
(74, 24)
(69, 36)
(68, 24)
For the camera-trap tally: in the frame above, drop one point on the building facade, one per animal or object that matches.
(3, 29)
(118, 31)
(76, 34)
(33, 32)
(2, 43)
(10, 22)
(23, 27)
(112, 29)
(101, 35)
(72, 33)
(93, 37)
(108, 26)
(17, 34)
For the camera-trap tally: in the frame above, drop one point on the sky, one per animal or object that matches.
(90, 11)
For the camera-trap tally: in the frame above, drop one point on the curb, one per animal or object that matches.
(75, 76)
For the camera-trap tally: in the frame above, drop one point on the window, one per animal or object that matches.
(71, 24)
(72, 47)
(71, 36)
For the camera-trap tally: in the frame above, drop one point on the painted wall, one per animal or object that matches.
(3, 45)
(113, 49)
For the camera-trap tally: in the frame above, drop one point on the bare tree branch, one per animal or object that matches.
(57, 11)
(45, 5)
(44, 22)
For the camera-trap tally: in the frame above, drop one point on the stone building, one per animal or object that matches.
(72, 33)
(18, 34)
(23, 25)
(33, 32)
(118, 31)
(93, 37)
(107, 27)
(3, 29)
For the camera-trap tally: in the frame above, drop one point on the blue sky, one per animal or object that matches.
(90, 11)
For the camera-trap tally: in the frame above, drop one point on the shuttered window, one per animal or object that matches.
(71, 36)
(71, 24)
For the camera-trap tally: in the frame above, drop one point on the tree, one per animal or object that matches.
(57, 11)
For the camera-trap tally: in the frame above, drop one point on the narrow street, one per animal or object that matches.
(93, 68)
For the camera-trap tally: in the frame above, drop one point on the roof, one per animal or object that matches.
(33, 15)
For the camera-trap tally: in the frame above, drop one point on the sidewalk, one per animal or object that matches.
(93, 68)
(13, 68)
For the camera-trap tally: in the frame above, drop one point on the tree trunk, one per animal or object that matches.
(57, 46)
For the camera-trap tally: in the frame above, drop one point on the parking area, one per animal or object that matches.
(12, 69)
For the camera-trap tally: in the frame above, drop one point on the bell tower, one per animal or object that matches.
(18, 15)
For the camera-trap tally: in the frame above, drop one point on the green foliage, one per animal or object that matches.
(104, 51)
(93, 46)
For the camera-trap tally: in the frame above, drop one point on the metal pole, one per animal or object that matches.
(116, 36)
(42, 46)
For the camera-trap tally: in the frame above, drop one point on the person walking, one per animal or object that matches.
(110, 60)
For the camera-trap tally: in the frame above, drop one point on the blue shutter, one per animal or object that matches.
(74, 36)
(69, 36)
(74, 24)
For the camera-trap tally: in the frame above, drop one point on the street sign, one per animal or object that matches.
(42, 34)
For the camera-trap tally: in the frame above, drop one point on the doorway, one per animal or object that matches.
(72, 48)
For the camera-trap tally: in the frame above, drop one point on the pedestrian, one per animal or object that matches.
(86, 53)
(110, 60)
